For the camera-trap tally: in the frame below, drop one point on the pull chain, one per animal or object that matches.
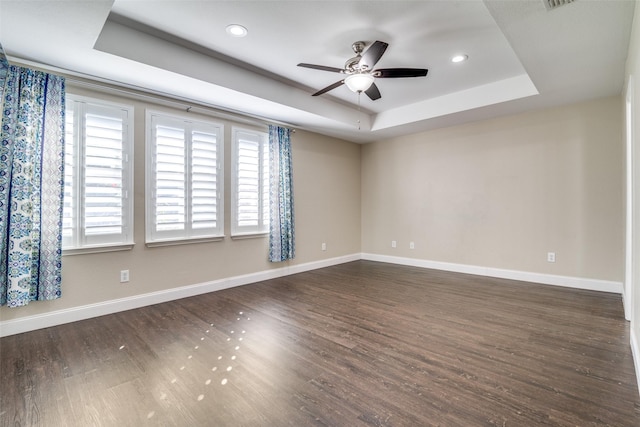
(359, 93)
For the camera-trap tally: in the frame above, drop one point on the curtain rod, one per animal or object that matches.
(141, 93)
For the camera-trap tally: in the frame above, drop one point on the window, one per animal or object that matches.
(184, 179)
(250, 174)
(98, 183)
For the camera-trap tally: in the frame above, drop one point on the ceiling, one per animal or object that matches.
(521, 56)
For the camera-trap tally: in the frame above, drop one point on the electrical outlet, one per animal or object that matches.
(124, 276)
(324, 246)
(393, 243)
(551, 257)
(412, 245)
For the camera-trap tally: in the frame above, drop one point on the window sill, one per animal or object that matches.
(159, 243)
(249, 236)
(97, 249)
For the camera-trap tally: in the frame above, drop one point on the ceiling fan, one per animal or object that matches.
(360, 72)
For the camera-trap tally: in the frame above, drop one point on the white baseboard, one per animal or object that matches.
(635, 353)
(545, 279)
(59, 317)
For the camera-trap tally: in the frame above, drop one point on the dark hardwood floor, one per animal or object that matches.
(359, 344)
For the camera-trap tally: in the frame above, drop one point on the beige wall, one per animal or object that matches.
(502, 193)
(327, 207)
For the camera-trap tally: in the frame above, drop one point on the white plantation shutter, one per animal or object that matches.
(103, 164)
(184, 191)
(265, 184)
(98, 175)
(170, 183)
(70, 212)
(204, 180)
(250, 209)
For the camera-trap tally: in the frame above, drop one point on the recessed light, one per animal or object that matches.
(236, 30)
(459, 58)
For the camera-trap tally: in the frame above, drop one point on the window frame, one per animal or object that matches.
(153, 236)
(80, 242)
(261, 229)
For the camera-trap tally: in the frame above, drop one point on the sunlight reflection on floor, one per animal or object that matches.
(199, 357)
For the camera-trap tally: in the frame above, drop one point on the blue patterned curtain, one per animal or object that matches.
(31, 184)
(282, 230)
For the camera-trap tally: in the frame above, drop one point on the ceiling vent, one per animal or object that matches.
(554, 4)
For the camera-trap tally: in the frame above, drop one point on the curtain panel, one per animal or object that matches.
(282, 227)
(31, 184)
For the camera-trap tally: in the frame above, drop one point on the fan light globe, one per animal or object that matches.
(359, 82)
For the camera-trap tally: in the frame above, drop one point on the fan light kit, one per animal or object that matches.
(360, 73)
(459, 58)
(359, 82)
(236, 30)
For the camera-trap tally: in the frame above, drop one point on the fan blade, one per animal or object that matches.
(322, 68)
(400, 72)
(373, 55)
(373, 92)
(328, 88)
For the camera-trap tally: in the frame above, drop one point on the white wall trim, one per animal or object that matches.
(545, 279)
(59, 317)
(635, 353)
(630, 190)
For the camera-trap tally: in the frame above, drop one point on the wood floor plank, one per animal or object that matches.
(358, 344)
